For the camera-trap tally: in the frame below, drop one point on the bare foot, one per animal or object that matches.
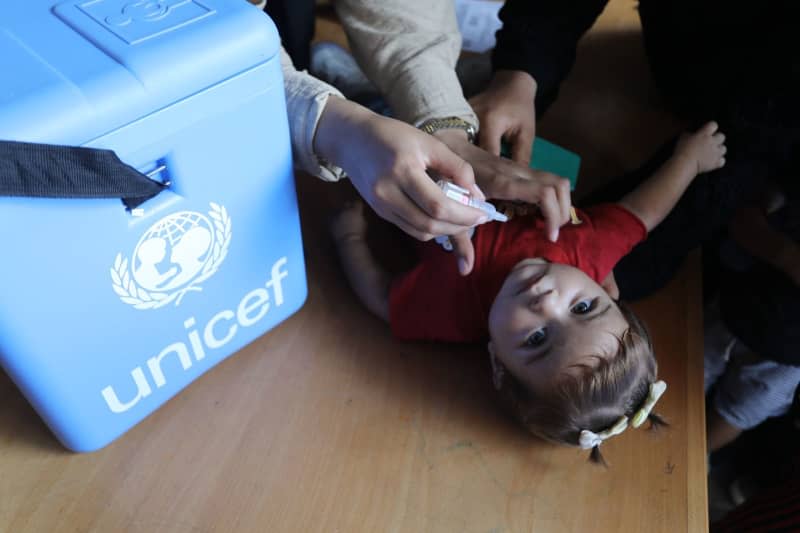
(349, 223)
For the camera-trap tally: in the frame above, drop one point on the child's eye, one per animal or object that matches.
(584, 306)
(537, 338)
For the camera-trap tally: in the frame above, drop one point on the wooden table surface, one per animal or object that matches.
(326, 424)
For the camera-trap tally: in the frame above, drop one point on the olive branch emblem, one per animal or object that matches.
(130, 293)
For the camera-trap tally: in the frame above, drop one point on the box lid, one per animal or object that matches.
(75, 70)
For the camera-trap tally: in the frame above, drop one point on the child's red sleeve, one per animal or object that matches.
(614, 233)
(434, 302)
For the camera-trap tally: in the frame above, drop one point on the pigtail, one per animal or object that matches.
(596, 458)
(656, 422)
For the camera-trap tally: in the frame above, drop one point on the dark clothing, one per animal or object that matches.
(732, 61)
(760, 304)
(760, 307)
(541, 37)
(775, 510)
(295, 22)
(711, 56)
(701, 215)
(707, 56)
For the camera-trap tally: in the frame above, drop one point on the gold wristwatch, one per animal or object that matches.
(435, 124)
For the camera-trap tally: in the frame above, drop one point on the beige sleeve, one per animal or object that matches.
(409, 48)
(306, 97)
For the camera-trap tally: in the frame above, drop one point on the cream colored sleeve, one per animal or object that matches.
(409, 48)
(306, 97)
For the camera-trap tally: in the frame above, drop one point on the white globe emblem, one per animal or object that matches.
(172, 251)
(172, 258)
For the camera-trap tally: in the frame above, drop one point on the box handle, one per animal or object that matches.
(53, 171)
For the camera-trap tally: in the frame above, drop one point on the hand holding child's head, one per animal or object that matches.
(706, 147)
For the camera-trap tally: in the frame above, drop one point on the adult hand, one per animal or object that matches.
(506, 111)
(387, 161)
(503, 179)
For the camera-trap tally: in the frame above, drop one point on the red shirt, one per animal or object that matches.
(434, 302)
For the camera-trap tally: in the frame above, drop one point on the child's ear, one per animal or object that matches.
(498, 370)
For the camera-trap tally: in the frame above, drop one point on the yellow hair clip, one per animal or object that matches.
(573, 215)
(656, 390)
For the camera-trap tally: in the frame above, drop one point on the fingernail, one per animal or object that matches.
(478, 192)
(554, 236)
(462, 266)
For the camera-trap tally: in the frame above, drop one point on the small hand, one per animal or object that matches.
(506, 111)
(706, 147)
(503, 179)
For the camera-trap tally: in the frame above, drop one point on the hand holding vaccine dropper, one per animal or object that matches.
(461, 195)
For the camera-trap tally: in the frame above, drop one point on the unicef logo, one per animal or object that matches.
(172, 258)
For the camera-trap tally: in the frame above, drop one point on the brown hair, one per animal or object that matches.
(593, 398)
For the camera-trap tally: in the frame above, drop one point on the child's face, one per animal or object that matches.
(548, 317)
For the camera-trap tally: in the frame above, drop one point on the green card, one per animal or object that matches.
(552, 158)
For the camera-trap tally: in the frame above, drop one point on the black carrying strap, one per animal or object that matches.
(51, 171)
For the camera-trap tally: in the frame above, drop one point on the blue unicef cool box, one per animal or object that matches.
(106, 313)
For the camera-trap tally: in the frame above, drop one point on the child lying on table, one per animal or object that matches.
(575, 366)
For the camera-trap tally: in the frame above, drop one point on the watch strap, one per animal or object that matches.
(433, 125)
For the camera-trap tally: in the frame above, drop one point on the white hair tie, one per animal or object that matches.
(590, 439)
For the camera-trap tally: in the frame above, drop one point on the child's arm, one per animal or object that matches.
(694, 154)
(369, 281)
